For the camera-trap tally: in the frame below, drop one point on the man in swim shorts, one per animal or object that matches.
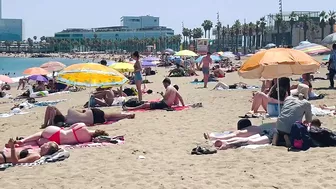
(169, 98)
(206, 61)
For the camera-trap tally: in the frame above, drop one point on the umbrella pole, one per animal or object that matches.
(278, 91)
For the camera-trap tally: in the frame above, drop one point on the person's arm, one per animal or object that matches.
(180, 98)
(308, 113)
(15, 159)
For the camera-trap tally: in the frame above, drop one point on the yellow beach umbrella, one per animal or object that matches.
(123, 67)
(91, 75)
(186, 53)
(278, 62)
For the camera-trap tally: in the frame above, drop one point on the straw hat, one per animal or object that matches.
(302, 89)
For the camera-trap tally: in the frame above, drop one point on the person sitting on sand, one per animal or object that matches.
(169, 99)
(177, 72)
(6, 87)
(246, 135)
(27, 155)
(75, 134)
(102, 98)
(218, 72)
(40, 87)
(88, 116)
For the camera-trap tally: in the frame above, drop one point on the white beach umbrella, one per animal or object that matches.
(330, 39)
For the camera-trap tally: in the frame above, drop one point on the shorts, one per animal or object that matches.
(205, 71)
(98, 116)
(158, 105)
(138, 76)
(273, 110)
(269, 133)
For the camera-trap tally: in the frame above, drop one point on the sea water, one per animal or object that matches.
(15, 66)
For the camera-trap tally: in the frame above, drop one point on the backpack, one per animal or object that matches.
(299, 137)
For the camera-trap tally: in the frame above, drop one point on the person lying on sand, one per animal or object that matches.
(246, 135)
(221, 85)
(27, 155)
(218, 72)
(76, 134)
(169, 99)
(102, 98)
(88, 116)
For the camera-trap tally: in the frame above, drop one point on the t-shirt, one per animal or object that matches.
(292, 111)
(333, 60)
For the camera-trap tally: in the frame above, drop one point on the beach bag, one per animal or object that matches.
(133, 102)
(322, 137)
(299, 137)
(130, 91)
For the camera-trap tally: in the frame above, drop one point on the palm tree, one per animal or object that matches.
(305, 19)
(332, 20)
(313, 31)
(185, 33)
(18, 44)
(245, 30)
(35, 38)
(30, 44)
(237, 27)
(197, 33)
(262, 28)
(218, 27)
(283, 27)
(323, 18)
(257, 25)
(224, 32)
(251, 28)
(207, 25)
(190, 34)
(292, 21)
(232, 34)
(278, 21)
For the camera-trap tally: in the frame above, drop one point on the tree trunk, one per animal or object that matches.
(278, 36)
(322, 33)
(236, 43)
(331, 28)
(304, 34)
(250, 45)
(291, 40)
(245, 44)
(257, 41)
(262, 38)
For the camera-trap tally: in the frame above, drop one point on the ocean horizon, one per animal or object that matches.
(14, 67)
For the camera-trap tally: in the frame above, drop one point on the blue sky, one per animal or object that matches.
(45, 17)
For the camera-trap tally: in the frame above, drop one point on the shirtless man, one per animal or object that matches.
(206, 61)
(169, 99)
(88, 116)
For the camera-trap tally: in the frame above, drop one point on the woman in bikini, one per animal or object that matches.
(88, 116)
(76, 134)
(27, 155)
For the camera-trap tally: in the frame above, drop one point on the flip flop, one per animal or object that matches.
(248, 116)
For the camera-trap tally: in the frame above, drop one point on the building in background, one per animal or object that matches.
(10, 29)
(132, 27)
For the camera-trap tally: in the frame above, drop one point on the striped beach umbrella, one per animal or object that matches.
(91, 75)
(312, 48)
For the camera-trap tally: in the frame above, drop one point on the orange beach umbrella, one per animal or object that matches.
(35, 71)
(278, 62)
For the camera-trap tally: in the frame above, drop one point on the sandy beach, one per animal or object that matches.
(165, 139)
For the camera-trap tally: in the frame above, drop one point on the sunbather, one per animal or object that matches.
(221, 85)
(76, 134)
(169, 99)
(88, 116)
(101, 98)
(27, 155)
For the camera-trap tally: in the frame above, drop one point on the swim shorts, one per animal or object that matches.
(158, 105)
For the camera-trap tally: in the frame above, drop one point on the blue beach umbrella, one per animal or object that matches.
(215, 58)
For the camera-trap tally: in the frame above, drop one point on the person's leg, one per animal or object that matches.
(30, 139)
(259, 140)
(258, 100)
(138, 84)
(331, 77)
(109, 97)
(142, 106)
(206, 79)
(117, 116)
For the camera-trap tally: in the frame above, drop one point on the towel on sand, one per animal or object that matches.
(317, 111)
(58, 156)
(15, 111)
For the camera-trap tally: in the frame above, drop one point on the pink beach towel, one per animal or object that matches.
(175, 108)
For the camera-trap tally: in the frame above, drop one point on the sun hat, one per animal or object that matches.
(302, 89)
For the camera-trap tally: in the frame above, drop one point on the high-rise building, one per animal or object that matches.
(10, 29)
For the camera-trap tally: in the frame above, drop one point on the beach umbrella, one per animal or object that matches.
(312, 48)
(169, 51)
(326, 58)
(148, 64)
(35, 71)
(276, 63)
(228, 55)
(270, 45)
(38, 78)
(150, 58)
(6, 79)
(330, 39)
(214, 58)
(185, 53)
(53, 66)
(123, 67)
(91, 75)
(304, 43)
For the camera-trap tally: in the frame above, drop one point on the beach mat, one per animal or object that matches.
(201, 82)
(61, 155)
(173, 108)
(248, 88)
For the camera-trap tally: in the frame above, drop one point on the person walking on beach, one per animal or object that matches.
(332, 66)
(137, 73)
(206, 61)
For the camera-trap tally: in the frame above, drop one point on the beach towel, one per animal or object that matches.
(239, 88)
(61, 155)
(173, 108)
(62, 92)
(15, 111)
(317, 111)
(49, 102)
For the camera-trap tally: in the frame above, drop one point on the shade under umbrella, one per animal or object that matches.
(38, 78)
(6, 79)
(312, 48)
(35, 71)
(330, 39)
(277, 63)
(91, 75)
(53, 66)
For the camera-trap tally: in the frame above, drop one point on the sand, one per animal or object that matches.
(165, 139)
